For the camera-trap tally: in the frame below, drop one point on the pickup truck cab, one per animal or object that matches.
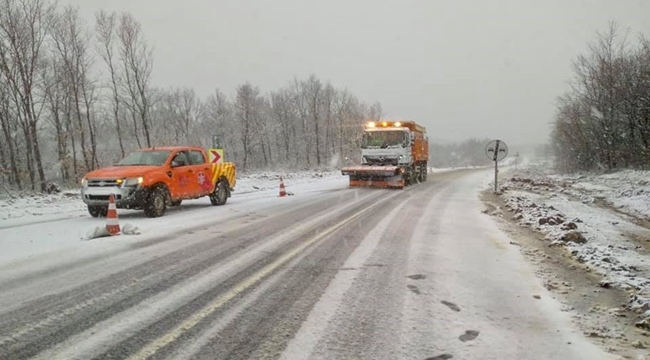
(152, 179)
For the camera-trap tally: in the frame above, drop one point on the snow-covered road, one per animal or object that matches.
(329, 273)
(445, 282)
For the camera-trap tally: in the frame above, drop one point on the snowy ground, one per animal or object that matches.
(330, 272)
(602, 221)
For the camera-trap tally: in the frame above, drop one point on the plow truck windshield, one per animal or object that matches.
(383, 139)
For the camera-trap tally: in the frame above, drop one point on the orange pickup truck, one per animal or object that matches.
(154, 178)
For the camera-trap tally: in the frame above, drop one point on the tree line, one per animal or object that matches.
(75, 96)
(470, 152)
(604, 121)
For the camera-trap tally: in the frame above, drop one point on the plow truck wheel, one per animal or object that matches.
(220, 194)
(413, 177)
(422, 173)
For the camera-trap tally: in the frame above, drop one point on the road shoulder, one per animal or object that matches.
(601, 312)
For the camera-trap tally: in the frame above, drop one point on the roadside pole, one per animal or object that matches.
(496, 150)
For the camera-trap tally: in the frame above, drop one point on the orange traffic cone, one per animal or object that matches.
(283, 192)
(112, 224)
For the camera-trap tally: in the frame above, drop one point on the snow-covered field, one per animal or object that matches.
(602, 220)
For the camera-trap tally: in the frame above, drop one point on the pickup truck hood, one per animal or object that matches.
(118, 172)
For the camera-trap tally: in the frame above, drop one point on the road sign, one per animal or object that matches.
(216, 156)
(496, 150)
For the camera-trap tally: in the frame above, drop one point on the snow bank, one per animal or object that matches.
(41, 207)
(628, 191)
(595, 217)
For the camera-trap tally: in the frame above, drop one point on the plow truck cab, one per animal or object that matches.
(394, 154)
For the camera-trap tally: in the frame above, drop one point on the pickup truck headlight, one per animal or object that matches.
(135, 181)
(84, 182)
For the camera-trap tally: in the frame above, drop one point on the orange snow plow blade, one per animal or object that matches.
(374, 176)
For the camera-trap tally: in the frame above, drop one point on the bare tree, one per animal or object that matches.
(9, 125)
(105, 28)
(342, 110)
(265, 126)
(572, 138)
(71, 41)
(351, 115)
(329, 101)
(189, 112)
(219, 120)
(604, 122)
(598, 76)
(301, 104)
(247, 111)
(137, 63)
(284, 115)
(58, 103)
(375, 112)
(313, 90)
(24, 26)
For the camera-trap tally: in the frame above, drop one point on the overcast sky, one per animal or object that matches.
(463, 68)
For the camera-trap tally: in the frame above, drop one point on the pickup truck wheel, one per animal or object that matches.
(220, 194)
(97, 211)
(156, 202)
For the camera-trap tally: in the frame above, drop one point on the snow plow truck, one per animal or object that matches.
(394, 154)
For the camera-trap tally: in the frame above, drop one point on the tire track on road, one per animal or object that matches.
(39, 324)
(214, 302)
(367, 321)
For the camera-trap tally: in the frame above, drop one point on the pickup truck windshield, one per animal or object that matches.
(384, 139)
(155, 158)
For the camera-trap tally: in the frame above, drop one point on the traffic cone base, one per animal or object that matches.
(283, 192)
(112, 224)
